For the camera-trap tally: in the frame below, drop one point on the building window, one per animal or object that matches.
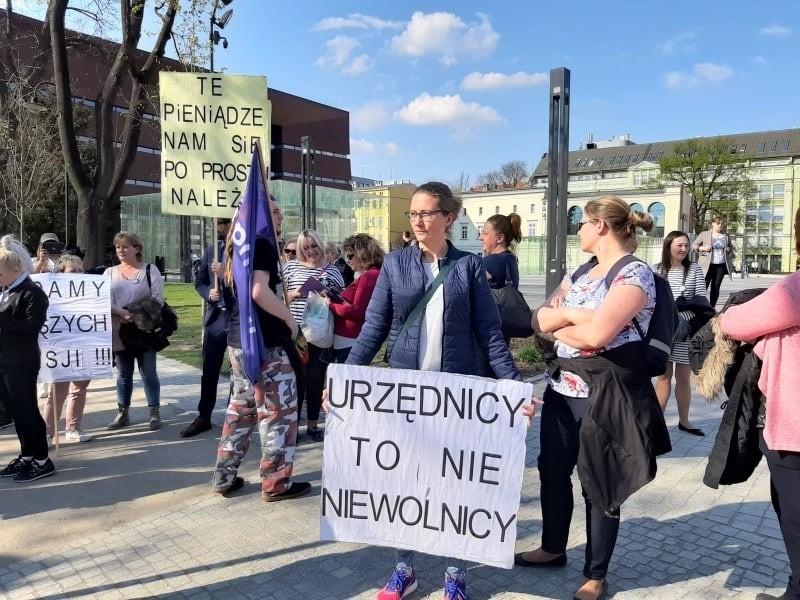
(742, 148)
(464, 232)
(637, 207)
(785, 145)
(777, 190)
(761, 146)
(531, 229)
(773, 145)
(465, 211)
(533, 207)
(574, 216)
(657, 212)
(514, 208)
(480, 211)
(497, 210)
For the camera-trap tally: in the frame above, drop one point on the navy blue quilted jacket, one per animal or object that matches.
(471, 318)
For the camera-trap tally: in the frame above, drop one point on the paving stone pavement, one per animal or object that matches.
(131, 515)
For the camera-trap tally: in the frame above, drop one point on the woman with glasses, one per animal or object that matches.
(600, 410)
(365, 256)
(716, 256)
(289, 251)
(310, 262)
(460, 322)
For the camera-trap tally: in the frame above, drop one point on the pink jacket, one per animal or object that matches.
(774, 317)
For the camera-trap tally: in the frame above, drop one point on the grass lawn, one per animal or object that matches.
(187, 342)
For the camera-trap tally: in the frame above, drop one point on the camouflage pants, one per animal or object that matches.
(273, 406)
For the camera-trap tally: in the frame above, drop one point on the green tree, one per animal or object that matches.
(714, 175)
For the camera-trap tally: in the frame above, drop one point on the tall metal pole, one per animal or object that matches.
(557, 178)
(66, 206)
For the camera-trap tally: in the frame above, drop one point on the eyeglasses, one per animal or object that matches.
(289, 251)
(425, 215)
(582, 223)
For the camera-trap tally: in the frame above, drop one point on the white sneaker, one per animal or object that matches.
(49, 441)
(76, 435)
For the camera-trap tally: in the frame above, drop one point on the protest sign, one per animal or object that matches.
(424, 461)
(75, 340)
(209, 125)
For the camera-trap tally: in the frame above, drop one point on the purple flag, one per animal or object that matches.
(252, 221)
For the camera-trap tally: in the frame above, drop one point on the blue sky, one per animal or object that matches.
(437, 89)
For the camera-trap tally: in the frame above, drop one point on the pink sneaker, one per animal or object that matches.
(402, 583)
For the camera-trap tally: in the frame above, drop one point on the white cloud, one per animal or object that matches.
(701, 73)
(448, 111)
(369, 116)
(492, 81)
(391, 149)
(760, 60)
(357, 21)
(775, 31)
(445, 35)
(679, 42)
(361, 146)
(339, 55)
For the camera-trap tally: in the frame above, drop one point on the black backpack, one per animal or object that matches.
(663, 324)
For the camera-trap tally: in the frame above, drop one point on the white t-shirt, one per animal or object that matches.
(431, 337)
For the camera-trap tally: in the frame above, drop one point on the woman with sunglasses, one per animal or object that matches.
(460, 322)
(365, 256)
(310, 262)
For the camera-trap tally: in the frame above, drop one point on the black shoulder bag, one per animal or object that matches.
(515, 314)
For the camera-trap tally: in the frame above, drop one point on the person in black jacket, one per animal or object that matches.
(23, 310)
(209, 283)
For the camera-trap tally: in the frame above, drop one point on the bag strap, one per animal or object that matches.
(423, 302)
(612, 273)
(149, 283)
(509, 281)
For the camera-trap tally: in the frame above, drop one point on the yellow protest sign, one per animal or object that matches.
(209, 124)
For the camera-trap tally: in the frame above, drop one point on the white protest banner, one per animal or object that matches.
(76, 337)
(424, 461)
(209, 125)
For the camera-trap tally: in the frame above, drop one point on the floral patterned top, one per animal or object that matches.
(589, 293)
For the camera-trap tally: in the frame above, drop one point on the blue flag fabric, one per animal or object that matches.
(252, 221)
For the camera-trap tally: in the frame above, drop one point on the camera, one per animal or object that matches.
(52, 247)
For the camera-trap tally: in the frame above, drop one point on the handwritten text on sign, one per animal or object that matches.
(424, 461)
(209, 124)
(75, 340)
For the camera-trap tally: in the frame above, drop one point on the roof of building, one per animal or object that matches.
(757, 145)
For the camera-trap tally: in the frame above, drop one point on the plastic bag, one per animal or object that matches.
(317, 326)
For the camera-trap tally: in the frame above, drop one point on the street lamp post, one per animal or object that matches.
(214, 36)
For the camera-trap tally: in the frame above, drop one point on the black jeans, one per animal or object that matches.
(312, 384)
(784, 472)
(215, 346)
(18, 395)
(714, 276)
(559, 444)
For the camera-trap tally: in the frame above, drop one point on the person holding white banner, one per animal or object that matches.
(23, 310)
(433, 303)
(76, 401)
(600, 409)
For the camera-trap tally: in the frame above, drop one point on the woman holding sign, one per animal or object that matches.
(600, 410)
(433, 303)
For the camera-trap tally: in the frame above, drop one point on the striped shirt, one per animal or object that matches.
(694, 285)
(296, 274)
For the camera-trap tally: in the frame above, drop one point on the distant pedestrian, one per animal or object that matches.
(334, 256)
(23, 310)
(407, 238)
(716, 256)
(210, 284)
(772, 321)
(71, 392)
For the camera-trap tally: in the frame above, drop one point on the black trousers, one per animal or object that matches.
(215, 345)
(311, 383)
(18, 395)
(714, 276)
(784, 487)
(559, 444)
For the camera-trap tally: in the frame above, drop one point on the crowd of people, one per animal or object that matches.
(430, 305)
